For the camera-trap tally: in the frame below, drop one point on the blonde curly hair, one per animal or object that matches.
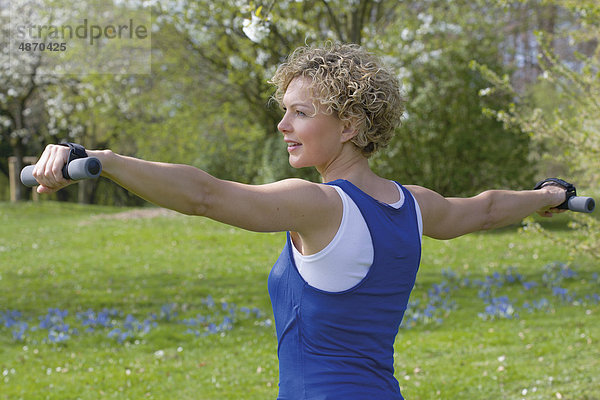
(350, 83)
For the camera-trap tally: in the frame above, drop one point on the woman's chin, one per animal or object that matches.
(296, 163)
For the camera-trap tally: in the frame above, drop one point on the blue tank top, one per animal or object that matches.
(340, 345)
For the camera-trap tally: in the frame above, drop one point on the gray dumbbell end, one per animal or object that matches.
(581, 204)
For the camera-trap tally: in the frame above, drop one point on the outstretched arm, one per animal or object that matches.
(310, 209)
(447, 218)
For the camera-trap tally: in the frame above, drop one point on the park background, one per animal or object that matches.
(499, 94)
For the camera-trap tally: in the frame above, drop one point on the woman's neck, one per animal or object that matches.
(357, 171)
(350, 169)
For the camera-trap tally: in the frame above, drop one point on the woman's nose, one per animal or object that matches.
(284, 126)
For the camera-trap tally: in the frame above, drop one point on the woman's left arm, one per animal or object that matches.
(447, 218)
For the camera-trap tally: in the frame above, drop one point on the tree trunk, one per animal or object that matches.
(86, 191)
(18, 152)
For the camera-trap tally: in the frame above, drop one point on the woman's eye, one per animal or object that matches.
(300, 113)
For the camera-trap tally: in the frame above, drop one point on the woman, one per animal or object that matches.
(341, 285)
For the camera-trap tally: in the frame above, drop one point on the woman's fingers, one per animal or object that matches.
(55, 169)
(48, 170)
(550, 212)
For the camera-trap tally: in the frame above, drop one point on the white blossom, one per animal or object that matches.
(255, 29)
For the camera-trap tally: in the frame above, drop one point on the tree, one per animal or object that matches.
(207, 101)
(39, 103)
(240, 45)
(21, 82)
(569, 132)
(446, 143)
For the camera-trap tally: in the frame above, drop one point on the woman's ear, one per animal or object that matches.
(349, 131)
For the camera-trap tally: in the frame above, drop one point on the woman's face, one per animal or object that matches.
(313, 137)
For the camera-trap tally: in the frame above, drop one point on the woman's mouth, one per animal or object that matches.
(291, 145)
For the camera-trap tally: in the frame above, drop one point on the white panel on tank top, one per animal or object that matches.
(346, 260)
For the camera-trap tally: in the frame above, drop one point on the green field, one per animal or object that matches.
(155, 279)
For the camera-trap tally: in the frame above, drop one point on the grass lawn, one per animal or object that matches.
(97, 304)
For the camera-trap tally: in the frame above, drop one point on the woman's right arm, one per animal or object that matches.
(293, 204)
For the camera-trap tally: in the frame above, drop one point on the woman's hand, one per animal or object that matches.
(557, 195)
(48, 170)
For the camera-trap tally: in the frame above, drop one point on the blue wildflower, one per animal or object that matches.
(167, 312)
(20, 333)
(208, 301)
(529, 285)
